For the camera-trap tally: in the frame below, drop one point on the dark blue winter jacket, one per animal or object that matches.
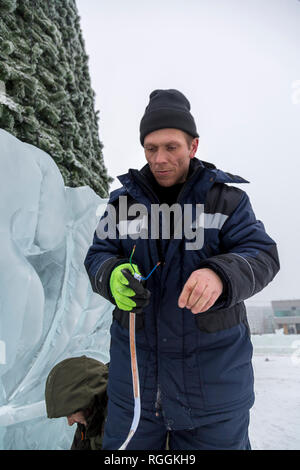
(192, 366)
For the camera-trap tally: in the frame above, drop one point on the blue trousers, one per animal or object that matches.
(222, 432)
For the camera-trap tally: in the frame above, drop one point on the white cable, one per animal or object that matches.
(135, 378)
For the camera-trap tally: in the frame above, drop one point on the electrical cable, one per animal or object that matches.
(134, 364)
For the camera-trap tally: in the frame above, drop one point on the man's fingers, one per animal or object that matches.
(185, 294)
(204, 303)
(197, 293)
(200, 291)
(125, 291)
(197, 299)
(125, 303)
(136, 285)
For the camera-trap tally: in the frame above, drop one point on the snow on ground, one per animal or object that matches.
(275, 416)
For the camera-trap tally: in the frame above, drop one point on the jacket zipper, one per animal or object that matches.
(158, 401)
(154, 199)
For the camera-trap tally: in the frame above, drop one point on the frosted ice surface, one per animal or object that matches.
(48, 311)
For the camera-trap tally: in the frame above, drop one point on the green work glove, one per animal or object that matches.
(129, 294)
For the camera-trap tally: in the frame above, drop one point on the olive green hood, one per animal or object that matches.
(73, 384)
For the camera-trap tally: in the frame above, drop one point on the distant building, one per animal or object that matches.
(287, 315)
(260, 318)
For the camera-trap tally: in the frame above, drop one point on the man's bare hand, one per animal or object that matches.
(201, 290)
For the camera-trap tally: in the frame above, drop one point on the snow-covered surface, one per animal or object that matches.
(48, 311)
(275, 416)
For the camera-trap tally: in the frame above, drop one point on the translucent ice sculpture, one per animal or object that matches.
(48, 311)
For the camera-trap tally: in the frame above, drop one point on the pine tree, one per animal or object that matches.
(46, 98)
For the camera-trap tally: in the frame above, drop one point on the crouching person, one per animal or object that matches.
(76, 388)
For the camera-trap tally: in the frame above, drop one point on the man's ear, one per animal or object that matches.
(194, 147)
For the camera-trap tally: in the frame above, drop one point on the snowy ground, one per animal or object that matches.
(275, 416)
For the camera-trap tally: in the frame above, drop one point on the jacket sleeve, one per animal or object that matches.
(103, 256)
(248, 260)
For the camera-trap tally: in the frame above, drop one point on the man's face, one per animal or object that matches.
(168, 155)
(77, 417)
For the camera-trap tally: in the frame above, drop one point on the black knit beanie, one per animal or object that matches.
(167, 109)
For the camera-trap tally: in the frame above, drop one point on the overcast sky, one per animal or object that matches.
(238, 63)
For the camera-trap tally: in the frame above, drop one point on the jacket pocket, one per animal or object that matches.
(225, 369)
(218, 320)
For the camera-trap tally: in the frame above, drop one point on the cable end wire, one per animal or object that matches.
(134, 364)
(135, 382)
(136, 275)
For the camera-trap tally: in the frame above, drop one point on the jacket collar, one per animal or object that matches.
(136, 180)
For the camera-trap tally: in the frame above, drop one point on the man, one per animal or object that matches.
(76, 388)
(192, 335)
